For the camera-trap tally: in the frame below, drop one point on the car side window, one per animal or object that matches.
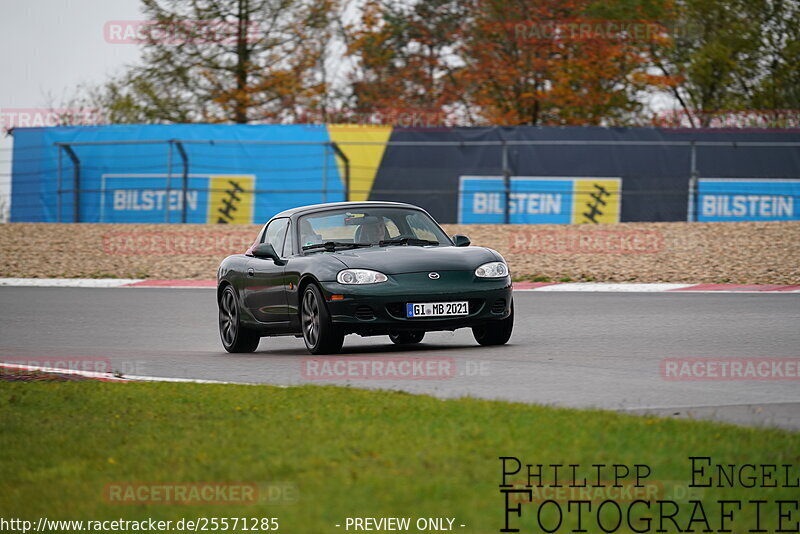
(276, 234)
(288, 246)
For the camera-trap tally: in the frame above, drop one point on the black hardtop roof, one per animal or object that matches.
(333, 205)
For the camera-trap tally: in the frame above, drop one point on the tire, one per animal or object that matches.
(406, 338)
(234, 336)
(319, 333)
(496, 333)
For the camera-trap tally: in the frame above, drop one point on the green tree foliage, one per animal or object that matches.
(733, 55)
(777, 84)
(224, 61)
(404, 56)
(474, 61)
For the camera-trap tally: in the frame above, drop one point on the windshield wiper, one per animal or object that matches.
(330, 246)
(407, 241)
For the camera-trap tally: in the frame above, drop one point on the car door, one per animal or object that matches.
(265, 293)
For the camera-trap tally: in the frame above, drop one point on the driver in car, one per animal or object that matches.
(372, 231)
(307, 234)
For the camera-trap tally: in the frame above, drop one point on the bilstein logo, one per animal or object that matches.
(598, 202)
(433, 276)
(231, 199)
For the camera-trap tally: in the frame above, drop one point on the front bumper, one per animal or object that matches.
(377, 309)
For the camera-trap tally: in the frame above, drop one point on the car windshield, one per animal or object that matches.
(370, 226)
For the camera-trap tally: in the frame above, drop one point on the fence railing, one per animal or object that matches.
(174, 146)
(493, 181)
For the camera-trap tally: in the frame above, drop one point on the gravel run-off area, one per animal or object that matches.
(742, 253)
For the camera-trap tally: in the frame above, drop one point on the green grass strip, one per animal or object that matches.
(327, 453)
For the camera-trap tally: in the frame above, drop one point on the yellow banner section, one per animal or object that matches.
(231, 199)
(596, 200)
(364, 159)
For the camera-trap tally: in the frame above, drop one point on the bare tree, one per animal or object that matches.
(234, 61)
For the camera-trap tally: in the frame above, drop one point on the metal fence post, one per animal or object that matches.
(169, 181)
(185, 179)
(691, 209)
(506, 184)
(76, 183)
(324, 173)
(58, 193)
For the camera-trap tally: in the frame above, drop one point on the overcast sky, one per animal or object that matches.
(49, 47)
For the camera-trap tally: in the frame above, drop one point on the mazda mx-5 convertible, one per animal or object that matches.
(367, 268)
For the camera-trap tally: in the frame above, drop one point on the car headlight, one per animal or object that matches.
(495, 269)
(360, 276)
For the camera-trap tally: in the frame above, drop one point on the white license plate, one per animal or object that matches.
(437, 309)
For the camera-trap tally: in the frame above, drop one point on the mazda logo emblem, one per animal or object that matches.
(433, 276)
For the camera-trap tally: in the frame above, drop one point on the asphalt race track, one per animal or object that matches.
(568, 349)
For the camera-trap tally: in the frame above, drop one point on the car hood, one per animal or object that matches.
(411, 259)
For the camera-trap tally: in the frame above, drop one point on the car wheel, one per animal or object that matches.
(234, 336)
(406, 338)
(319, 333)
(496, 333)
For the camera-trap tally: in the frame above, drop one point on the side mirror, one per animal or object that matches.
(266, 251)
(461, 240)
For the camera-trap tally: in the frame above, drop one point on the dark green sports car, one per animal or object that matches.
(367, 268)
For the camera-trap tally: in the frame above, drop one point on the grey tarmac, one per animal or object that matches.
(584, 350)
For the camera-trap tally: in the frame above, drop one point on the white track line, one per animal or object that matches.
(62, 371)
(580, 287)
(138, 378)
(615, 288)
(740, 291)
(111, 377)
(68, 282)
(698, 406)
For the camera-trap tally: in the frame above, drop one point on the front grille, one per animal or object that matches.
(364, 313)
(499, 306)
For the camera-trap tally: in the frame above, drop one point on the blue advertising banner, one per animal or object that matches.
(539, 200)
(156, 198)
(726, 199)
(146, 198)
(247, 173)
(133, 173)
